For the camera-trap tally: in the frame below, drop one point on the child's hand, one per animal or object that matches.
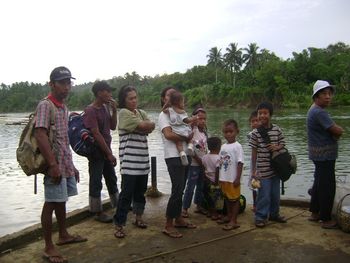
(273, 147)
(237, 182)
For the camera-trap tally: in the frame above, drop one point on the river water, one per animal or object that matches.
(20, 207)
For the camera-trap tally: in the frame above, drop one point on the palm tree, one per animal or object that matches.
(215, 59)
(233, 60)
(251, 56)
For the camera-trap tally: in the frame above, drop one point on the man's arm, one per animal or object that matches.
(113, 122)
(44, 145)
(103, 146)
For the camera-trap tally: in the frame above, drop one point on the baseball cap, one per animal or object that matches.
(100, 86)
(320, 85)
(60, 73)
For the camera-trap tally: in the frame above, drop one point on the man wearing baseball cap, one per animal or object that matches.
(60, 180)
(323, 134)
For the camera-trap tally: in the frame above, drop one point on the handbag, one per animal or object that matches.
(282, 162)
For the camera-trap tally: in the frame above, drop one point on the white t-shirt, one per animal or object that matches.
(230, 155)
(170, 150)
(177, 123)
(210, 163)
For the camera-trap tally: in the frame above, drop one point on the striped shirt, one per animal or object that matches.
(61, 142)
(263, 162)
(133, 146)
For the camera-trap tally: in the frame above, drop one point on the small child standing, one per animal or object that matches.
(254, 124)
(231, 166)
(268, 198)
(195, 173)
(212, 191)
(180, 122)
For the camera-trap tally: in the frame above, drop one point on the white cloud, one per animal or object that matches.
(106, 38)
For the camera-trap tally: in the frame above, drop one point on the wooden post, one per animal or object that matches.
(153, 191)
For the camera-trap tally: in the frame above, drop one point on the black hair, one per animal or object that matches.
(214, 143)
(99, 86)
(123, 93)
(265, 105)
(231, 122)
(197, 109)
(175, 98)
(163, 93)
(253, 114)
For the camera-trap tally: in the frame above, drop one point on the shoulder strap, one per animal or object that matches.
(52, 111)
(264, 134)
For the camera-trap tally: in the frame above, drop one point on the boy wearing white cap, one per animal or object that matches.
(323, 134)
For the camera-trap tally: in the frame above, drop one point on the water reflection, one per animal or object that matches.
(20, 208)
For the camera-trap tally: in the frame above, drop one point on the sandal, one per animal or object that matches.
(119, 232)
(229, 227)
(185, 214)
(222, 221)
(140, 224)
(173, 234)
(260, 223)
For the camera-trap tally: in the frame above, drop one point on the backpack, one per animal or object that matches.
(80, 138)
(28, 154)
(282, 162)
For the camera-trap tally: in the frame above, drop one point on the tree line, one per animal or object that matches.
(233, 77)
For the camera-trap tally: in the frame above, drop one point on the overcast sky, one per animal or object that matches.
(99, 39)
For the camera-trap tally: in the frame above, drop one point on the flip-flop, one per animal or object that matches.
(331, 226)
(140, 224)
(229, 227)
(119, 232)
(74, 239)
(313, 219)
(49, 258)
(222, 221)
(186, 225)
(172, 234)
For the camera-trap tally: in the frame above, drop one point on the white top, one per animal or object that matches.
(177, 123)
(170, 150)
(199, 141)
(210, 163)
(230, 155)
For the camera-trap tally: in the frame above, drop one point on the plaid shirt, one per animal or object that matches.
(61, 142)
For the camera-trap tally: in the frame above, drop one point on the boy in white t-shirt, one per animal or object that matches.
(212, 192)
(231, 166)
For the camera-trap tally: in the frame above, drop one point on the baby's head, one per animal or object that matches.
(176, 99)
(214, 145)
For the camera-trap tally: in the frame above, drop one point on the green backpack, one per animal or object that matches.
(28, 154)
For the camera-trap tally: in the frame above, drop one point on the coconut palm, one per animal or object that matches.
(215, 59)
(233, 60)
(251, 56)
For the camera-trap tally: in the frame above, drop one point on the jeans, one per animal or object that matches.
(99, 166)
(177, 173)
(133, 188)
(195, 177)
(268, 199)
(323, 189)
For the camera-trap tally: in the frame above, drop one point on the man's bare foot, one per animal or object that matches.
(53, 255)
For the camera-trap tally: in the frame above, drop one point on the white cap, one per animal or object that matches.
(320, 85)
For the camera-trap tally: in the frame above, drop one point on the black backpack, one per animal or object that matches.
(80, 138)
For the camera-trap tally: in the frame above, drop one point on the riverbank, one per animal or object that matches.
(297, 241)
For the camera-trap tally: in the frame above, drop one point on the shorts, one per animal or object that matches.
(231, 192)
(59, 192)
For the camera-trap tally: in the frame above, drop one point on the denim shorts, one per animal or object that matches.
(60, 192)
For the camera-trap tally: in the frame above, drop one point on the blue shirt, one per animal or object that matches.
(322, 146)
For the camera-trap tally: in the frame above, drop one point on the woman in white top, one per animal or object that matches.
(176, 171)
